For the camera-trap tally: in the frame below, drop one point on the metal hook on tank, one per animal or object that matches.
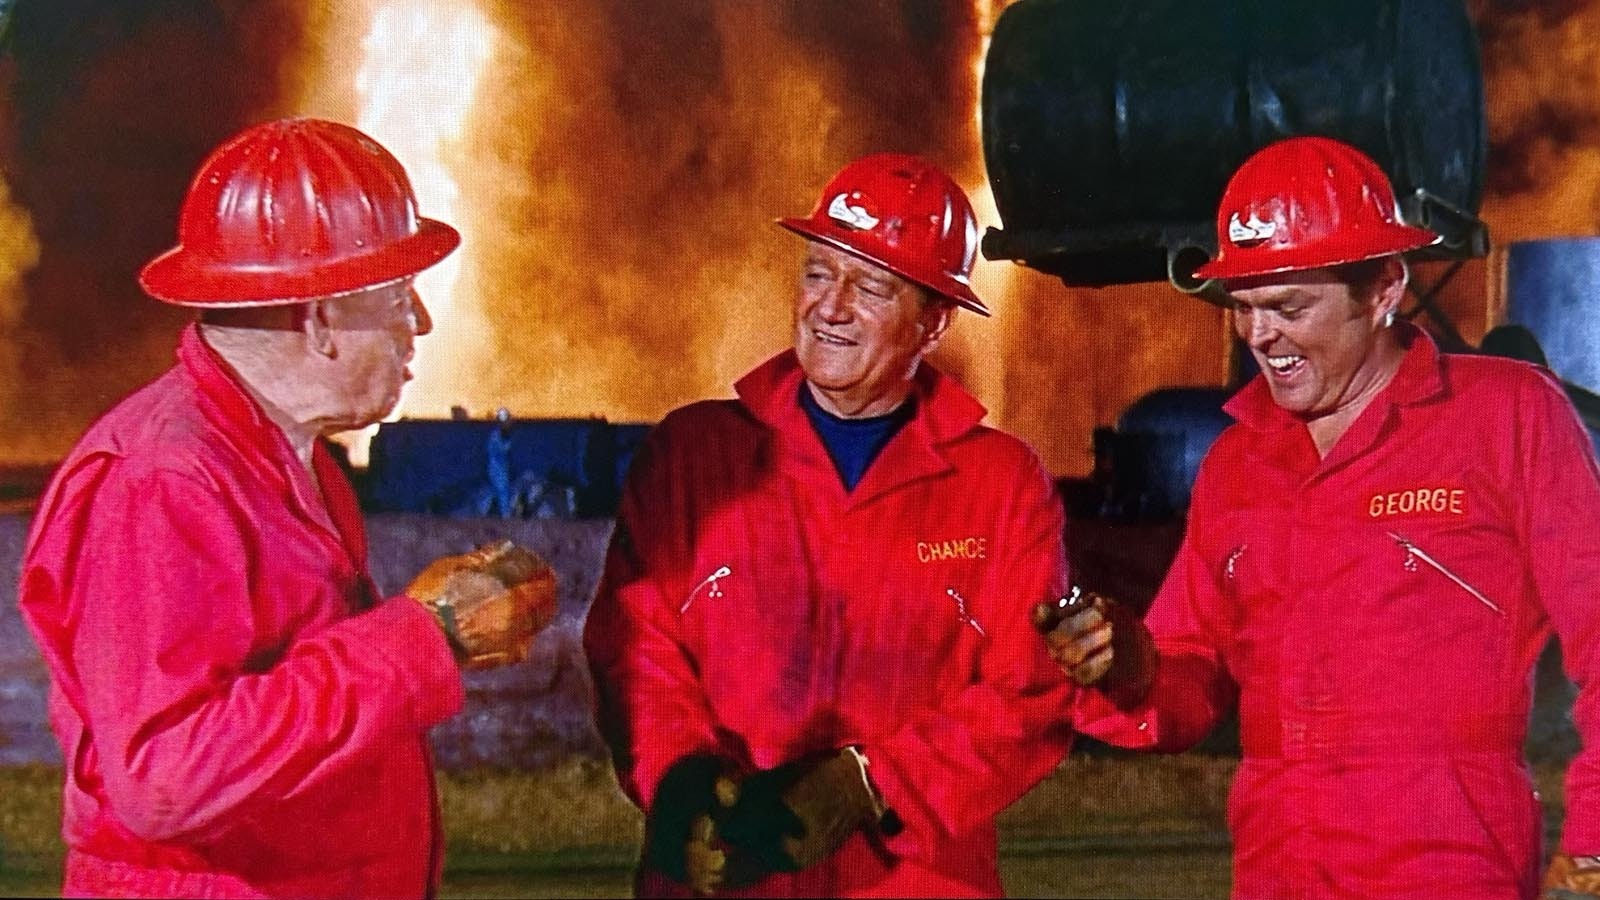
(1181, 264)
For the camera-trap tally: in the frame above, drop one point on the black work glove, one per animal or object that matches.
(677, 842)
(795, 815)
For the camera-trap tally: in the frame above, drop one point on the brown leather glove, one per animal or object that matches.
(1101, 643)
(793, 816)
(490, 602)
(1572, 877)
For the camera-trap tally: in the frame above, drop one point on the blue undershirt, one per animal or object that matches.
(853, 444)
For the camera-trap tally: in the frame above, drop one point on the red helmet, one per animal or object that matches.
(904, 214)
(294, 209)
(1306, 203)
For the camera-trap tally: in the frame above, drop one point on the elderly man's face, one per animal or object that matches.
(373, 333)
(860, 331)
(1312, 338)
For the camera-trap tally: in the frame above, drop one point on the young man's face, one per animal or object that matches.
(1312, 337)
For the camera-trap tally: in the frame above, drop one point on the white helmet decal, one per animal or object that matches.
(842, 212)
(1254, 229)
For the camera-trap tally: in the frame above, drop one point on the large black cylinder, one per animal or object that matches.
(1110, 128)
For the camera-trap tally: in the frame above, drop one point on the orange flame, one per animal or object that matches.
(616, 199)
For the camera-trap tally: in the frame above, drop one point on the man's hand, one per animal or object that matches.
(793, 816)
(1100, 643)
(1572, 877)
(490, 602)
(680, 837)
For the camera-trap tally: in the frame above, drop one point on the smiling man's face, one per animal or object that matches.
(860, 331)
(1313, 338)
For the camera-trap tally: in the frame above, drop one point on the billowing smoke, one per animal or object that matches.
(640, 152)
(113, 105)
(616, 177)
(1542, 81)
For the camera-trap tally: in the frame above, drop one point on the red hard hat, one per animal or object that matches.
(1306, 203)
(294, 209)
(904, 214)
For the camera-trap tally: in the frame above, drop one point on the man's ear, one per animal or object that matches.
(1390, 289)
(936, 318)
(318, 330)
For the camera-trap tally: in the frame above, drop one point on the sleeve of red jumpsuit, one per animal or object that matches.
(1192, 689)
(954, 767)
(651, 708)
(1561, 512)
(189, 741)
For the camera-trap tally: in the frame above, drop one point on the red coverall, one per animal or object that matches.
(1382, 702)
(753, 608)
(239, 713)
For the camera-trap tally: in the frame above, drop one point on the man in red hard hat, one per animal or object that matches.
(241, 713)
(810, 642)
(1375, 557)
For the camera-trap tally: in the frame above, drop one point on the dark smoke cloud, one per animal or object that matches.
(113, 104)
(1540, 84)
(906, 66)
(655, 142)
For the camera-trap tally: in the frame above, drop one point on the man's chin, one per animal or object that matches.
(1292, 402)
(357, 422)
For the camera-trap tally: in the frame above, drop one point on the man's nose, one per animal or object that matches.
(422, 323)
(1263, 330)
(834, 306)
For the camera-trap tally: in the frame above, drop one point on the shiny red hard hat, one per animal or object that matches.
(1306, 203)
(291, 210)
(904, 214)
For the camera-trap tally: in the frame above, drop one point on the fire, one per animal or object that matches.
(416, 87)
(19, 253)
(617, 195)
(1542, 73)
(993, 282)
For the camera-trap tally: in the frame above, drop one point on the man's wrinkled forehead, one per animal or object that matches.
(820, 254)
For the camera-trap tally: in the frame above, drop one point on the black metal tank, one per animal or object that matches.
(1110, 128)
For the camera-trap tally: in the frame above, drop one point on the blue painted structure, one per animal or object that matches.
(555, 468)
(1552, 288)
(1163, 436)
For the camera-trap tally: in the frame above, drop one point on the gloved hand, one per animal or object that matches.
(490, 602)
(1101, 643)
(795, 815)
(680, 839)
(1572, 877)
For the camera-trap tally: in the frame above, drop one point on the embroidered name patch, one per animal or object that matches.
(1435, 500)
(956, 548)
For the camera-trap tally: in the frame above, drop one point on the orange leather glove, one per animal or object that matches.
(490, 602)
(1572, 877)
(1100, 643)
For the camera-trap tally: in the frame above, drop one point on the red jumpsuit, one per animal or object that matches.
(1379, 613)
(753, 608)
(240, 714)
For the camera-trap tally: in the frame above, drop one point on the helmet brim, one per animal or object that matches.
(185, 278)
(956, 290)
(1252, 261)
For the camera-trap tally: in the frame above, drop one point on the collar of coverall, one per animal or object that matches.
(770, 391)
(1419, 378)
(225, 402)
